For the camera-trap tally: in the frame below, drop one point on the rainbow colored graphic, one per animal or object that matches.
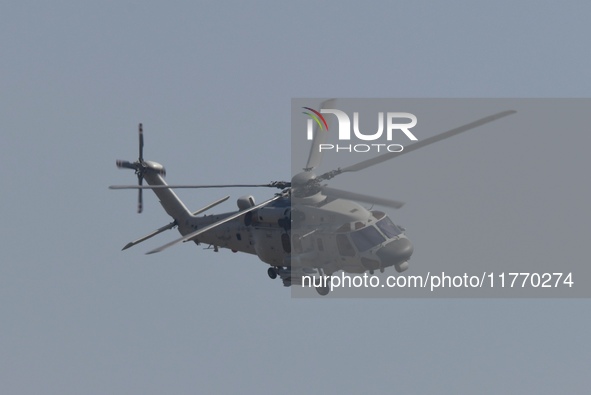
(315, 115)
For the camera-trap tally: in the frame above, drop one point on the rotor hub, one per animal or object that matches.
(305, 184)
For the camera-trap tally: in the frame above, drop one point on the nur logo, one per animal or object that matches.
(345, 124)
(392, 121)
(315, 116)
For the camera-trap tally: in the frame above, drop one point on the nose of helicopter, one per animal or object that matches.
(398, 251)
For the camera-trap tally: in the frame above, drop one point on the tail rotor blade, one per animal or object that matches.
(124, 164)
(139, 194)
(141, 136)
(140, 167)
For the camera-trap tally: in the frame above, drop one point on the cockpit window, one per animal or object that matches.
(366, 238)
(388, 228)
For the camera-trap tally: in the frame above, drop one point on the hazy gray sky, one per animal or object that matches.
(212, 84)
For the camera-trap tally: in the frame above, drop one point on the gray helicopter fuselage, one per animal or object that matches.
(312, 232)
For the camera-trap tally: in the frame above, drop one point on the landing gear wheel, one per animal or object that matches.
(272, 272)
(323, 291)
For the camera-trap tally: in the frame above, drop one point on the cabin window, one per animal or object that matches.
(320, 245)
(366, 238)
(388, 228)
(344, 246)
(378, 214)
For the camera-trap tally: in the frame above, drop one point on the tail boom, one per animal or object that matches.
(168, 199)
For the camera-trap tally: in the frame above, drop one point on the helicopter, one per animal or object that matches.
(307, 228)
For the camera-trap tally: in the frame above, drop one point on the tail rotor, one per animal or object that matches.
(140, 167)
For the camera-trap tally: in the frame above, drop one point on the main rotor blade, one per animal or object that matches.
(141, 136)
(338, 193)
(173, 224)
(149, 235)
(192, 235)
(387, 156)
(279, 184)
(315, 156)
(211, 205)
